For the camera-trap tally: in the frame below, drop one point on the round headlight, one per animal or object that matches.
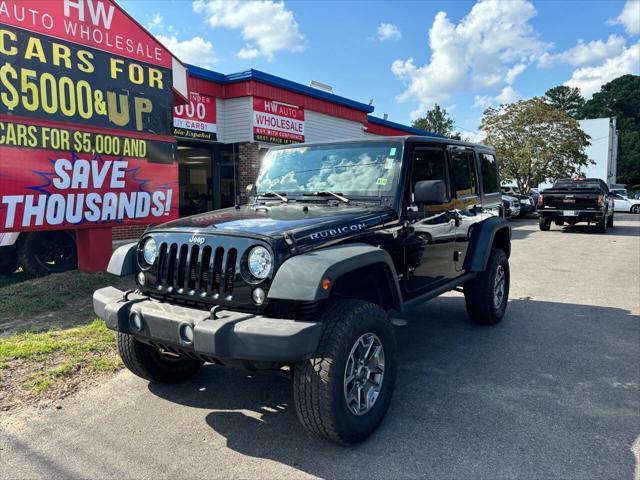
(149, 251)
(260, 262)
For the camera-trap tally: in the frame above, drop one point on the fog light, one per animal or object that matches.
(258, 296)
(141, 278)
(135, 320)
(186, 333)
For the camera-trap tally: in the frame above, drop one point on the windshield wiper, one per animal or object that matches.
(271, 193)
(329, 193)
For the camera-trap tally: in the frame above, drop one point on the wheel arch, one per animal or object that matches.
(494, 232)
(352, 269)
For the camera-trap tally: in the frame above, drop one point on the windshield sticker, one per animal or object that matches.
(382, 181)
(392, 151)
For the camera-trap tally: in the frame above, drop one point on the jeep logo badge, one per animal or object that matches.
(196, 239)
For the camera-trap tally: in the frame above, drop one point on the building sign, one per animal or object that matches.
(197, 119)
(277, 122)
(85, 107)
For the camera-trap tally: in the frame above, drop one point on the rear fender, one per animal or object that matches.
(482, 240)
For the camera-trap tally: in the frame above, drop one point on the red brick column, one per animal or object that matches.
(127, 232)
(248, 167)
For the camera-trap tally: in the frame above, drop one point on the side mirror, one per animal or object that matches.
(431, 192)
(250, 189)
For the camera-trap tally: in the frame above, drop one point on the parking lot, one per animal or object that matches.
(552, 391)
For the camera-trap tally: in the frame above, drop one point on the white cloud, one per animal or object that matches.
(583, 54)
(266, 26)
(156, 22)
(486, 50)
(197, 50)
(590, 79)
(507, 95)
(629, 17)
(388, 31)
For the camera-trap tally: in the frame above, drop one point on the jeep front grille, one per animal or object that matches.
(196, 270)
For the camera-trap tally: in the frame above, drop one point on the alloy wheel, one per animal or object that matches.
(363, 374)
(499, 287)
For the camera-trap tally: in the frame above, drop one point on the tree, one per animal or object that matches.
(565, 98)
(620, 98)
(534, 142)
(437, 120)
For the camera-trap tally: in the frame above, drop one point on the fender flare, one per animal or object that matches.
(481, 240)
(123, 260)
(300, 277)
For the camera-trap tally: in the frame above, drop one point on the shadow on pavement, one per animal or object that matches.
(550, 392)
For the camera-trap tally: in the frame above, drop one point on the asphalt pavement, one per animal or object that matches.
(551, 392)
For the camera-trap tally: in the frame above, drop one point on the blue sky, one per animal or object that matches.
(409, 55)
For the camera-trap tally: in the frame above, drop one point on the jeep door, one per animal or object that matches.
(472, 170)
(430, 244)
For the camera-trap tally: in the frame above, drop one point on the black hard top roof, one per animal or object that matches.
(399, 138)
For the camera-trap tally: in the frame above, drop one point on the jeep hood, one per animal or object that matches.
(299, 220)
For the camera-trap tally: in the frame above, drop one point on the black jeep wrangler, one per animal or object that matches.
(336, 240)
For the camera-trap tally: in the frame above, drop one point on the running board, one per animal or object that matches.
(452, 285)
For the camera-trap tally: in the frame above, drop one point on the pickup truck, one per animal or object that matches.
(573, 200)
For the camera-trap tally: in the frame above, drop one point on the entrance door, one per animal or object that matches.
(195, 178)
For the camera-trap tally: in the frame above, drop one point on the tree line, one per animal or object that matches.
(540, 138)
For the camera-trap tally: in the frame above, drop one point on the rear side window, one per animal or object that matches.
(489, 173)
(464, 172)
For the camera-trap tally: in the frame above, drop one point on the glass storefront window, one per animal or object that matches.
(208, 177)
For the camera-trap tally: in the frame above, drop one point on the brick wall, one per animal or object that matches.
(248, 166)
(128, 232)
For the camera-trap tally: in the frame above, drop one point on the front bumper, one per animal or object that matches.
(231, 336)
(580, 215)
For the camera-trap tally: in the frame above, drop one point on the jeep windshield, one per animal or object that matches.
(367, 169)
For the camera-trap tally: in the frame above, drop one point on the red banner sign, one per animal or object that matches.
(61, 191)
(277, 122)
(95, 23)
(85, 118)
(197, 119)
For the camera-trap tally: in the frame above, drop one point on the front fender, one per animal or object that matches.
(123, 260)
(481, 242)
(300, 277)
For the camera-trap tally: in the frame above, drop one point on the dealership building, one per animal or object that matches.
(103, 131)
(231, 120)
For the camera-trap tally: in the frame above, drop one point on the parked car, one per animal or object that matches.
(511, 206)
(301, 280)
(574, 200)
(527, 204)
(623, 203)
(38, 253)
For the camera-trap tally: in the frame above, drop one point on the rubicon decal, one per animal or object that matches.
(333, 232)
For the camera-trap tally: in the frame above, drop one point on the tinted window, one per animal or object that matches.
(429, 164)
(489, 173)
(464, 172)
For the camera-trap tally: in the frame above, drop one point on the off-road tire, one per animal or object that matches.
(149, 363)
(544, 224)
(610, 221)
(29, 257)
(601, 226)
(8, 264)
(318, 383)
(479, 292)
